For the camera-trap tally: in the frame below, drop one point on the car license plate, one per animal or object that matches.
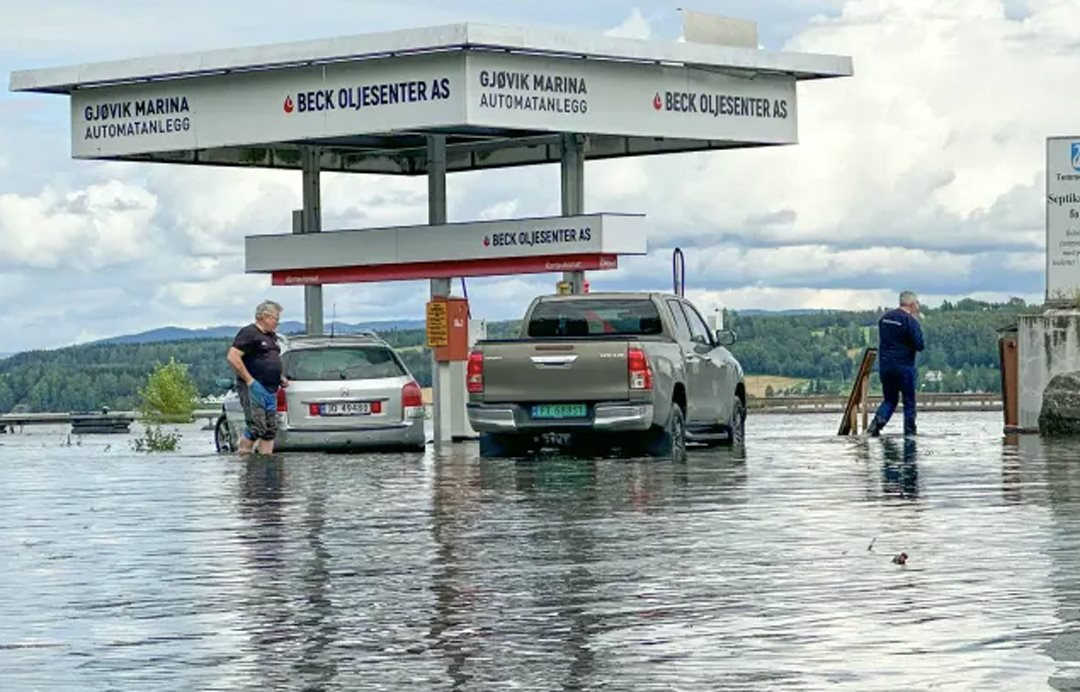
(348, 408)
(559, 411)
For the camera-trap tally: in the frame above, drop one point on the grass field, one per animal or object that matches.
(756, 384)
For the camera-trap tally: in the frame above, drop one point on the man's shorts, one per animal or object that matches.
(260, 414)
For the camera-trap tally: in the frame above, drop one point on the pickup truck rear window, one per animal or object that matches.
(593, 317)
(341, 363)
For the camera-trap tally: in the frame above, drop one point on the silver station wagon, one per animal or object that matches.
(345, 392)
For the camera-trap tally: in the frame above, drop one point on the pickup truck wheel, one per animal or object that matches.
(737, 425)
(502, 445)
(669, 442)
(223, 441)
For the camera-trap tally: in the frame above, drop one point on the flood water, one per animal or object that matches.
(444, 571)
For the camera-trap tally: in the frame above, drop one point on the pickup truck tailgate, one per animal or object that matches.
(539, 370)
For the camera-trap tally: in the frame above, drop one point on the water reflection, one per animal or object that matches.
(284, 569)
(899, 468)
(446, 571)
(553, 540)
(1048, 469)
(898, 459)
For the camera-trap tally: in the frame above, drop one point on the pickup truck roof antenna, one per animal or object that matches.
(678, 273)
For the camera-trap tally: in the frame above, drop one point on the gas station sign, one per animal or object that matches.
(521, 92)
(482, 248)
(541, 93)
(256, 107)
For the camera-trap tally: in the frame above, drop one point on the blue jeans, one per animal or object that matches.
(894, 383)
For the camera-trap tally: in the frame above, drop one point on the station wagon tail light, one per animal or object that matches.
(474, 374)
(282, 402)
(638, 369)
(411, 396)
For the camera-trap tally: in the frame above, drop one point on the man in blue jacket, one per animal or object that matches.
(900, 339)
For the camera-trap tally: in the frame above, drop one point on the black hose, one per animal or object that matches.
(465, 294)
(678, 273)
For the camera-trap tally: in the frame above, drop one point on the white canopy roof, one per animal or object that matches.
(374, 97)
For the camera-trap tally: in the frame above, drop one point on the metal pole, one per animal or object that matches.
(865, 403)
(573, 192)
(313, 298)
(441, 381)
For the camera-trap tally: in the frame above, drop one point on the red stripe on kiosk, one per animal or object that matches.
(448, 269)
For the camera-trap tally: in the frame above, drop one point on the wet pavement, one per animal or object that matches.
(773, 569)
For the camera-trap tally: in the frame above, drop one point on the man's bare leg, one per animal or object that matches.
(264, 446)
(244, 446)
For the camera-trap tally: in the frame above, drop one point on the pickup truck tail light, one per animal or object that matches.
(282, 401)
(638, 369)
(474, 374)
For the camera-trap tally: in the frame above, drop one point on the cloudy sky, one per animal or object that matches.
(924, 171)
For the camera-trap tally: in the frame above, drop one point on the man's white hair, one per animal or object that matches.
(267, 307)
(908, 297)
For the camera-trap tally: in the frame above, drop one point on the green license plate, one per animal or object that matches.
(560, 411)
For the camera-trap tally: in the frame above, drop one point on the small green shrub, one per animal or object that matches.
(154, 439)
(170, 395)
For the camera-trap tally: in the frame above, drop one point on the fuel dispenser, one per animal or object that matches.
(451, 334)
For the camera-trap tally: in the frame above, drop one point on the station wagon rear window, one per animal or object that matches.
(341, 363)
(594, 317)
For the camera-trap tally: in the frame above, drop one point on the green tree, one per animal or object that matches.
(170, 395)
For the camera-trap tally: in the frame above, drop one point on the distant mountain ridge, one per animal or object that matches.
(228, 331)
(161, 334)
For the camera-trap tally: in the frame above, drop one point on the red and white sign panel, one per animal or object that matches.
(442, 270)
(480, 248)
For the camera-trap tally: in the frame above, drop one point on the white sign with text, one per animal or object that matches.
(628, 99)
(613, 234)
(1063, 220)
(446, 90)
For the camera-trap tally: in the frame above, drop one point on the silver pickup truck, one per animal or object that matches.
(641, 372)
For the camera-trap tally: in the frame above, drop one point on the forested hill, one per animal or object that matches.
(822, 348)
(825, 347)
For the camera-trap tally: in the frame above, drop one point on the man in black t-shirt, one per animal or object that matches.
(256, 357)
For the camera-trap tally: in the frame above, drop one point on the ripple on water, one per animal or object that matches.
(769, 569)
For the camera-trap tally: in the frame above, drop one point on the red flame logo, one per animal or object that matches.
(289, 104)
(487, 241)
(657, 102)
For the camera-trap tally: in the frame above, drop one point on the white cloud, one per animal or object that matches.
(506, 209)
(813, 263)
(923, 171)
(100, 226)
(913, 150)
(634, 26)
(239, 291)
(1026, 261)
(771, 298)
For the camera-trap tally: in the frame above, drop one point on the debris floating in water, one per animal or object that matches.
(900, 559)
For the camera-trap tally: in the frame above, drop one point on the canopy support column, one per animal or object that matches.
(312, 223)
(444, 385)
(573, 193)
